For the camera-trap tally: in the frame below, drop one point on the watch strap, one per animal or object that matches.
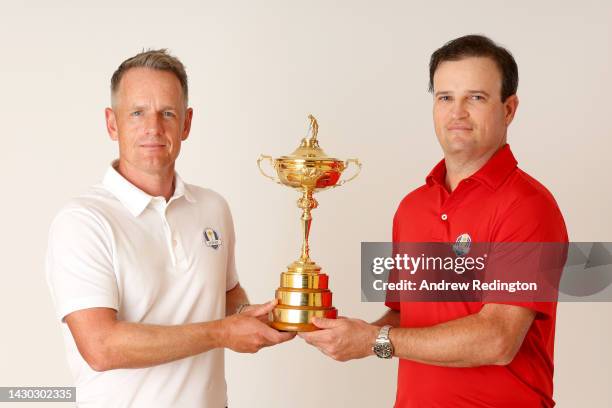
(383, 334)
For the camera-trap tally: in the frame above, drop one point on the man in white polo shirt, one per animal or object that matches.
(141, 268)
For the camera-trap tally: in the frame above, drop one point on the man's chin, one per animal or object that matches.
(459, 146)
(155, 164)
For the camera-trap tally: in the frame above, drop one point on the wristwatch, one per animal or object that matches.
(383, 347)
(241, 307)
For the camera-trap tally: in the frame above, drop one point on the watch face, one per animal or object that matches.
(383, 350)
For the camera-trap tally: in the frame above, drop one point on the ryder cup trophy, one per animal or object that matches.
(303, 292)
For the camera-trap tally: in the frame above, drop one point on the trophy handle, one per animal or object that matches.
(261, 158)
(347, 163)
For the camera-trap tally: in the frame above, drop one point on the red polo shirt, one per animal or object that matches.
(499, 203)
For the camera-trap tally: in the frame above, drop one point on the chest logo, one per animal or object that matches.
(211, 238)
(462, 244)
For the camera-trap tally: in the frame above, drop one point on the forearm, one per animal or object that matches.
(135, 345)
(107, 343)
(234, 298)
(391, 318)
(466, 342)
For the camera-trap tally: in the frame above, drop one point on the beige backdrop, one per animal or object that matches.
(257, 68)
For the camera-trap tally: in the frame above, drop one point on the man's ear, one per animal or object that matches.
(111, 124)
(510, 107)
(187, 124)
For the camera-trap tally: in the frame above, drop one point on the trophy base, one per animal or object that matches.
(299, 318)
(294, 327)
(302, 295)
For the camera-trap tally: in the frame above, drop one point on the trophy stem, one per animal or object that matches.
(307, 203)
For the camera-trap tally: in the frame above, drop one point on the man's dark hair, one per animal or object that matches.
(478, 46)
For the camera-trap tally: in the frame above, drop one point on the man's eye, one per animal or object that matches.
(169, 114)
(136, 113)
(477, 98)
(444, 98)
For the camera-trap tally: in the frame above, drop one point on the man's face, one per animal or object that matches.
(469, 117)
(149, 119)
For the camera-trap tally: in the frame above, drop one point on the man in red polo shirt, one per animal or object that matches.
(466, 354)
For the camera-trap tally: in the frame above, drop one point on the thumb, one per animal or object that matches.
(261, 310)
(324, 323)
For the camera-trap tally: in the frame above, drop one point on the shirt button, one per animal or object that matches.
(174, 243)
(444, 217)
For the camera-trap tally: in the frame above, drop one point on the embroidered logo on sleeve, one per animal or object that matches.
(211, 238)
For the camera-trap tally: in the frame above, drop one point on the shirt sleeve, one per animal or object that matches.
(231, 272)
(393, 304)
(528, 235)
(79, 263)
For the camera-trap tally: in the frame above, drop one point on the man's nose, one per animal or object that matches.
(153, 124)
(459, 110)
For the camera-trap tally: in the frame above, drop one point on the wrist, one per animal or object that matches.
(372, 335)
(218, 330)
(241, 307)
(382, 346)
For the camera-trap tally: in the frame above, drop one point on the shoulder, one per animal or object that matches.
(529, 211)
(413, 199)
(89, 210)
(409, 210)
(524, 192)
(208, 199)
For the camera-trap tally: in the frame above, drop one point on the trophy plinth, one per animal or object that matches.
(303, 292)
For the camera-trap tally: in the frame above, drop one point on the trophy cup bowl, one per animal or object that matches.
(304, 292)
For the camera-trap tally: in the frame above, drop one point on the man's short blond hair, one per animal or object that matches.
(160, 60)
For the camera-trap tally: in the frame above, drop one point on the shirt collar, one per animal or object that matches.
(495, 171)
(437, 174)
(133, 198)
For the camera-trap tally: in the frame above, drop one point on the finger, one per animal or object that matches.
(264, 318)
(286, 336)
(273, 336)
(310, 341)
(261, 310)
(323, 323)
(325, 352)
(305, 336)
(315, 338)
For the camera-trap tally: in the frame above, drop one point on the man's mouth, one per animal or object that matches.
(464, 128)
(152, 145)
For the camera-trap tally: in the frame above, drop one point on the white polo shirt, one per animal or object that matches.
(155, 262)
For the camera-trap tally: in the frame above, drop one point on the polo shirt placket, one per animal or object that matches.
(448, 204)
(173, 241)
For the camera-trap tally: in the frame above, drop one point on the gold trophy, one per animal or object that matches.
(304, 292)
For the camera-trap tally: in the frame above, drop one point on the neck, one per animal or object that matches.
(460, 166)
(156, 184)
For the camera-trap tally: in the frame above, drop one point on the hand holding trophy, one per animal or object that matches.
(303, 292)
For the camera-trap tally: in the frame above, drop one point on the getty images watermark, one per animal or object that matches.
(504, 272)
